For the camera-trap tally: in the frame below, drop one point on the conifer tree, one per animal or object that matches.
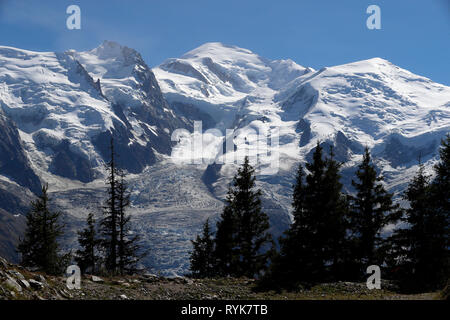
(288, 265)
(440, 186)
(253, 224)
(109, 222)
(371, 210)
(39, 247)
(224, 242)
(440, 198)
(312, 248)
(129, 251)
(249, 225)
(422, 249)
(87, 258)
(121, 247)
(336, 209)
(202, 257)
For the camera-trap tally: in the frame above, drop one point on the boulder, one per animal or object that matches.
(10, 282)
(16, 274)
(36, 284)
(41, 278)
(96, 279)
(25, 283)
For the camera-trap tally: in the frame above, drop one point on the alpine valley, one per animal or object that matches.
(58, 112)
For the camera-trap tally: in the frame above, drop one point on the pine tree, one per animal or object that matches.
(110, 220)
(39, 248)
(439, 223)
(202, 257)
(224, 242)
(371, 210)
(312, 249)
(252, 222)
(441, 186)
(121, 248)
(312, 219)
(410, 247)
(87, 258)
(288, 265)
(249, 227)
(129, 251)
(334, 227)
(420, 252)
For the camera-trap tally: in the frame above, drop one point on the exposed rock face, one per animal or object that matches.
(70, 165)
(14, 163)
(67, 112)
(59, 111)
(14, 203)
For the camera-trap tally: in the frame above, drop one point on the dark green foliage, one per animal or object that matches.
(121, 248)
(420, 252)
(39, 248)
(371, 210)
(129, 251)
(440, 198)
(312, 249)
(87, 258)
(224, 240)
(242, 232)
(109, 223)
(202, 257)
(287, 265)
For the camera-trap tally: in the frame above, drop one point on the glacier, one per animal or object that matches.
(59, 110)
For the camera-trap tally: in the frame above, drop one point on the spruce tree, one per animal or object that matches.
(420, 252)
(371, 210)
(224, 242)
(253, 224)
(334, 227)
(129, 251)
(110, 220)
(312, 249)
(249, 227)
(439, 223)
(39, 247)
(288, 265)
(121, 248)
(87, 258)
(202, 257)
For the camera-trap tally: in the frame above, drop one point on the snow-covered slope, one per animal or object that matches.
(59, 110)
(397, 114)
(68, 105)
(223, 76)
(373, 103)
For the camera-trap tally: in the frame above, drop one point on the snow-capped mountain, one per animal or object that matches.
(59, 110)
(397, 114)
(67, 105)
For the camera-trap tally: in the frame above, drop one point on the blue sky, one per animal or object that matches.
(415, 34)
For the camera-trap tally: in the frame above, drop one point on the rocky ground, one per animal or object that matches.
(17, 283)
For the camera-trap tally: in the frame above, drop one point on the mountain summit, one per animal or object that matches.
(58, 112)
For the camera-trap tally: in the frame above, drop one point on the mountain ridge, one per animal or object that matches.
(66, 107)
